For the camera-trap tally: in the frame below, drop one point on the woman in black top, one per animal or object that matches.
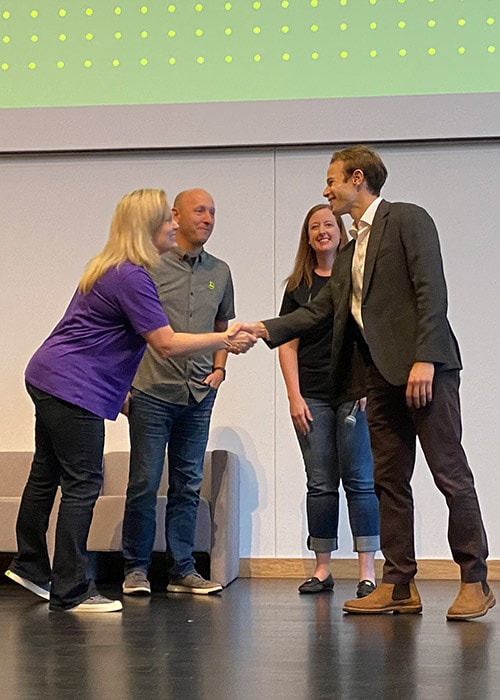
(333, 449)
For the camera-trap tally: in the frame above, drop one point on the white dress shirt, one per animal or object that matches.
(361, 234)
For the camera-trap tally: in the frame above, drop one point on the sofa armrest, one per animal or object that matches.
(15, 468)
(221, 487)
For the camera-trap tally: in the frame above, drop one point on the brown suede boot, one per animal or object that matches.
(473, 600)
(388, 597)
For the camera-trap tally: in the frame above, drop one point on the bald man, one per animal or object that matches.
(171, 404)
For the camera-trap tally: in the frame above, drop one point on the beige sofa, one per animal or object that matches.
(217, 525)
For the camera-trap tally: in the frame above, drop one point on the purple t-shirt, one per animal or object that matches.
(91, 356)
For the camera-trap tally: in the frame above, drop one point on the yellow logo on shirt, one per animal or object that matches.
(211, 285)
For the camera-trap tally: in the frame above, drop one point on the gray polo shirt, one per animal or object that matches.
(193, 297)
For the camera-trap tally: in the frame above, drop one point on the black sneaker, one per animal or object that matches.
(365, 588)
(314, 585)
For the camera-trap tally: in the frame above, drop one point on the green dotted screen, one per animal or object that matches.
(70, 52)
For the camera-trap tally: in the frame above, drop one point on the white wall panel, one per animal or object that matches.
(54, 215)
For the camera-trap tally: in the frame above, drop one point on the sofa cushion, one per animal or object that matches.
(106, 529)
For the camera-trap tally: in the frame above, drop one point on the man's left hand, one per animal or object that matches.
(214, 379)
(126, 405)
(419, 386)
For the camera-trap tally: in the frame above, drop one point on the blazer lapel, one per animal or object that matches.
(376, 232)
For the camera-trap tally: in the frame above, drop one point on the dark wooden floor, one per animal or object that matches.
(258, 640)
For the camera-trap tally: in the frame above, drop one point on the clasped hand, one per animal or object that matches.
(238, 340)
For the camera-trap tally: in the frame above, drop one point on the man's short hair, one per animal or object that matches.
(365, 159)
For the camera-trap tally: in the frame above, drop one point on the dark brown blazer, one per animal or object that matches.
(404, 302)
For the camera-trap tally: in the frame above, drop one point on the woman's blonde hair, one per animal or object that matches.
(305, 260)
(138, 216)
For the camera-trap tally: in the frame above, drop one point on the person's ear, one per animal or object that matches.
(358, 177)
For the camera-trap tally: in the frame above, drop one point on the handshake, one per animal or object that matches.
(240, 337)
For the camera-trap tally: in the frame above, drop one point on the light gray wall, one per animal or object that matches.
(251, 123)
(54, 215)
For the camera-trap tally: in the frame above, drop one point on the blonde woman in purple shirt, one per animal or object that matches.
(80, 376)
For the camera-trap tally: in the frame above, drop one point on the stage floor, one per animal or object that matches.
(258, 640)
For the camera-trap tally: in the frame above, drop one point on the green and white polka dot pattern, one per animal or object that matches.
(74, 52)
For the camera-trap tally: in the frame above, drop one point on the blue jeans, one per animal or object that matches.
(153, 425)
(333, 451)
(69, 443)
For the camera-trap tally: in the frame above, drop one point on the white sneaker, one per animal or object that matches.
(39, 590)
(97, 604)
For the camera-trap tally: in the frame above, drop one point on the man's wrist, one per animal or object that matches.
(262, 331)
(220, 369)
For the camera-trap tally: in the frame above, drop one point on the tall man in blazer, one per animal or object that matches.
(388, 301)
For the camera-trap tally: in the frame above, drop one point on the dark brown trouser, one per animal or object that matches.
(393, 431)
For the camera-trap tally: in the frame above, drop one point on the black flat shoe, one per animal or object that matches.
(314, 585)
(365, 588)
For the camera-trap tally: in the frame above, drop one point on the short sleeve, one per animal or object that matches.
(288, 304)
(139, 301)
(225, 312)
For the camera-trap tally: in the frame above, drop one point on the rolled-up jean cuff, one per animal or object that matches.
(368, 543)
(322, 546)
